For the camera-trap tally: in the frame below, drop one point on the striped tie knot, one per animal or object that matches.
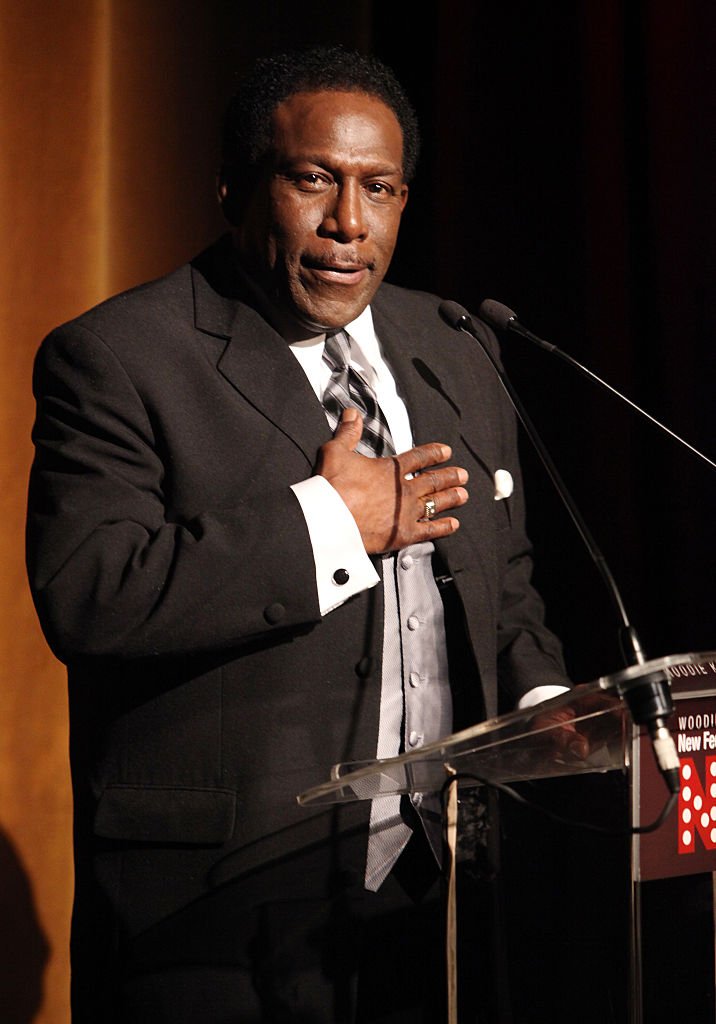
(347, 389)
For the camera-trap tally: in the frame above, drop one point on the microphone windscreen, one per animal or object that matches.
(453, 313)
(496, 314)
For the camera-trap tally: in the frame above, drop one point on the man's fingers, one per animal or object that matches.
(435, 477)
(386, 498)
(433, 481)
(432, 505)
(433, 529)
(424, 455)
(350, 428)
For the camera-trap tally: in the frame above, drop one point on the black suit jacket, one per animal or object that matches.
(173, 572)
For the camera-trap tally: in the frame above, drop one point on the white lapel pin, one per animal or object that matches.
(504, 484)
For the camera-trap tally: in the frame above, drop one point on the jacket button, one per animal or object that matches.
(274, 614)
(364, 667)
(340, 576)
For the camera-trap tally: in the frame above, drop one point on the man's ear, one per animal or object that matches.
(235, 189)
(225, 195)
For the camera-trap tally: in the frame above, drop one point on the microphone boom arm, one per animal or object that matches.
(503, 317)
(650, 701)
(629, 641)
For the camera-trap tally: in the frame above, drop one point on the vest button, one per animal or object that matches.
(274, 613)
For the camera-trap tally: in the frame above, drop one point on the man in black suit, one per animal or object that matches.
(244, 599)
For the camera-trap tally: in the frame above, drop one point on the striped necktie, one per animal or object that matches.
(347, 388)
(388, 831)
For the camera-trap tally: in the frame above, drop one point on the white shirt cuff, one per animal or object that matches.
(538, 694)
(342, 566)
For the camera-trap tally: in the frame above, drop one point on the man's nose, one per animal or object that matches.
(344, 216)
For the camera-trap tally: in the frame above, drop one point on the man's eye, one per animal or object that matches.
(312, 182)
(380, 189)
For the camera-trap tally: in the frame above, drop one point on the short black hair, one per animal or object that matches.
(247, 129)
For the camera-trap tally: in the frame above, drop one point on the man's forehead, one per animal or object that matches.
(324, 106)
(352, 121)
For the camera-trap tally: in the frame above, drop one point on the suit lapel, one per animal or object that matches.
(258, 364)
(427, 374)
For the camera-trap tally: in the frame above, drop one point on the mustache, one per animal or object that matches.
(343, 260)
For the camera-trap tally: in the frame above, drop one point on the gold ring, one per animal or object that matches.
(430, 508)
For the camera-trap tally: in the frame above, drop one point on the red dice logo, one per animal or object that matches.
(697, 806)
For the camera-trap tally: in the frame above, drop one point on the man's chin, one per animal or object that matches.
(331, 314)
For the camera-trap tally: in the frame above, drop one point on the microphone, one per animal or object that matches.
(504, 319)
(648, 697)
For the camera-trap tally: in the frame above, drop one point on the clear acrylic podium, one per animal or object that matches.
(521, 746)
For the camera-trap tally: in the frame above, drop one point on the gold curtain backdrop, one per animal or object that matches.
(103, 183)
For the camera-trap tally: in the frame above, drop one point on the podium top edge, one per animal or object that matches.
(616, 679)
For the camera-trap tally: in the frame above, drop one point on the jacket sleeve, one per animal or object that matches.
(529, 655)
(111, 573)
